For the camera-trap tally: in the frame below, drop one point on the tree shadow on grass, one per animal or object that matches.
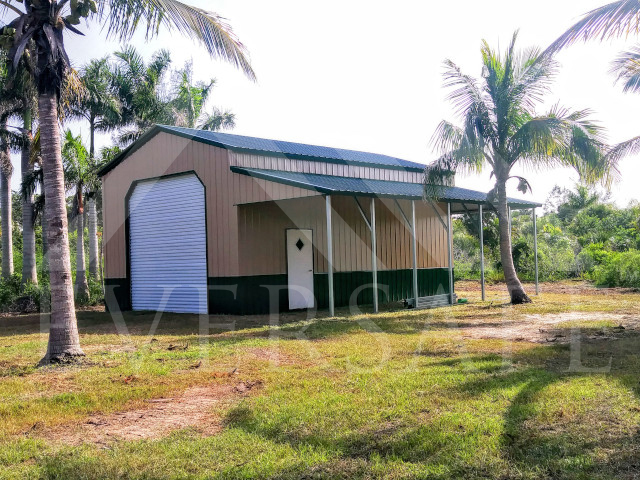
(597, 442)
(591, 440)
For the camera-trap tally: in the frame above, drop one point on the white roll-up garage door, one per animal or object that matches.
(168, 245)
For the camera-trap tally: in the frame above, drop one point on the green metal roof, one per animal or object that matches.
(328, 184)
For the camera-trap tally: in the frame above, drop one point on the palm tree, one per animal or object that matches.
(79, 172)
(101, 109)
(44, 23)
(24, 88)
(138, 86)
(32, 182)
(501, 129)
(190, 100)
(6, 172)
(14, 102)
(99, 106)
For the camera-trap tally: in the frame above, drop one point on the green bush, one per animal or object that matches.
(13, 297)
(590, 257)
(622, 269)
(10, 289)
(39, 294)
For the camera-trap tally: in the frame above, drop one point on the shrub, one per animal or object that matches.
(620, 270)
(10, 289)
(40, 295)
(590, 257)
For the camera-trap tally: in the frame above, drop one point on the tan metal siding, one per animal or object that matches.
(262, 235)
(322, 168)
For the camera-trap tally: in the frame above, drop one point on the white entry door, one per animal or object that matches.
(168, 245)
(300, 268)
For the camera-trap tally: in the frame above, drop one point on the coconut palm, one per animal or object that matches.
(501, 129)
(44, 24)
(190, 100)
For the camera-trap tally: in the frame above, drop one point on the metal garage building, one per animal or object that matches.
(206, 222)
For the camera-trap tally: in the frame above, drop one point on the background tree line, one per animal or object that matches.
(581, 234)
(123, 95)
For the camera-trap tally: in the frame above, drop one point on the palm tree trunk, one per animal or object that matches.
(6, 170)
(64, 341)
(92, 136)
(516, 290)
(29, 273)
(82, 288)
(93, 239)
(45, 249)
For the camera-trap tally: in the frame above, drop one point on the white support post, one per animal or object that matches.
(332, 310)
(509, 222)
(374, 255)
(414, 252)
(481, 231)
(449, 239)
(535, 248)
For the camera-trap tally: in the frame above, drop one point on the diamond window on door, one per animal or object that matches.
(299, 244)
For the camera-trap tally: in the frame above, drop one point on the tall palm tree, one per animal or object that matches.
(24, 89)
(44, 23)
(100, 107)
(14, 102)
(6, 172)
(78, 172)
(501, 129)
(189, 103)
(32, 182)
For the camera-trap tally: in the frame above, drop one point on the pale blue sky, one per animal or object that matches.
(366, 75)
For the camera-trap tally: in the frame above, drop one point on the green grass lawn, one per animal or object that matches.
(396, 395)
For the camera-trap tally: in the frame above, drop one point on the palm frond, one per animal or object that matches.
(613, 20)
(218, 120)
(466, 89)
(31, 182)
(624, 149)
(626, 68)
(567, 139)
(123, 17)
(446, 137)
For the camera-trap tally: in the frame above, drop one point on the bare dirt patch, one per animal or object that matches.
(567, 287)
(273, 355)
(547, 328)
(197, 407)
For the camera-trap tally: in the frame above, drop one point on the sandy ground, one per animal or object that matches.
(545, 328)
(197, 407)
